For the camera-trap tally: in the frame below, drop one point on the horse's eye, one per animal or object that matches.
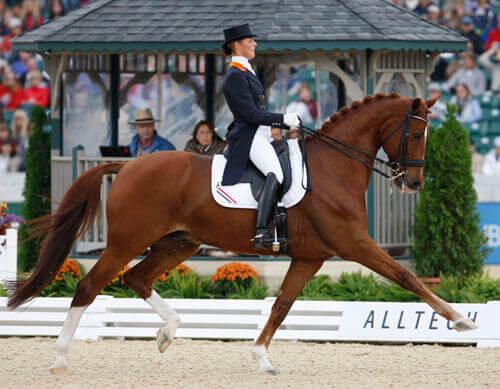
(417, 136)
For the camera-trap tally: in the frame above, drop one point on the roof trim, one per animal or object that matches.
(264, 46)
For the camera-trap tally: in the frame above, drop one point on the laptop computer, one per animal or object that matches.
(115, 151)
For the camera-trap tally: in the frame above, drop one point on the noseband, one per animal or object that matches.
(399, 166)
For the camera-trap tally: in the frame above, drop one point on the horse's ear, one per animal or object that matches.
(431, 102)
(415, 105)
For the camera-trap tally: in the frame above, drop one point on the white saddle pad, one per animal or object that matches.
(240, 195)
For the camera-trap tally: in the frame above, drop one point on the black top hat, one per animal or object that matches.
(234, 33)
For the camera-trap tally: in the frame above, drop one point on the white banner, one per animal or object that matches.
(417, 322)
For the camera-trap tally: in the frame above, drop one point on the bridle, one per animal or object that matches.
(399, 165)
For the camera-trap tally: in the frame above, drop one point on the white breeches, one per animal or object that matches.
(262, 154)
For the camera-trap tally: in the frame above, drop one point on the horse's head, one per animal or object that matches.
(405, 146)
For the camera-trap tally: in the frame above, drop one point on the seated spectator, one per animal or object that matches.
(468, 109)
(422, 7)
(493, 36)
(491, 165)
(6, 160)
(32, 16)
(276, 134)
(21, 128)
(147, 140)
(490, 59)
(38, 93)
(484, 16)
(438, 110)
(470, 75)
(467, 30)
(477, 159)
(205, 140)
(434, 14)
(12, 95)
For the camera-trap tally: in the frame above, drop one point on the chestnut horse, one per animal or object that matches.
(163, 201)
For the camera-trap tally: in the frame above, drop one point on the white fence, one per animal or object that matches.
(8, 255)
(243, 319)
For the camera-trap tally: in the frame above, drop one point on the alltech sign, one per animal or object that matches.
(417, 322)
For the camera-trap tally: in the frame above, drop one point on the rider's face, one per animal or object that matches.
(245, 48)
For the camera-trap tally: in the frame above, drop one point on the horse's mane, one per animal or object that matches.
(346, 112)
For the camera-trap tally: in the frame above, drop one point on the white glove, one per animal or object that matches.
(292, 120)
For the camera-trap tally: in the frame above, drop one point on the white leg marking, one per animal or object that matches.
(464, 324)
(260, 355)
(62, 344)
(166, 334)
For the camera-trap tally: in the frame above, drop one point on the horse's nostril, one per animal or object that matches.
(416, 185)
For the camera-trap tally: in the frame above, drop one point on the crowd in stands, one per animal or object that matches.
(470, 80)
(23, 81)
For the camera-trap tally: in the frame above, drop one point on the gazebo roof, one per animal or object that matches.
(281, 25)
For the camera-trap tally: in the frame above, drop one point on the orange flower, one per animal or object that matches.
(70, 267)
(181, 269)
(119, 276)
(234, 270)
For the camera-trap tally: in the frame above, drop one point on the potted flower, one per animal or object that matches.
(8, 220)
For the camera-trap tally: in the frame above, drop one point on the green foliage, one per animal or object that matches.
(255, 290)
(183, 286)
(36, 188)
(447, 237)
(62, 288)
(474, 289)
(3, 292)
(119, 290)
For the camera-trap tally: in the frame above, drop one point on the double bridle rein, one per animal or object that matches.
(399, 166)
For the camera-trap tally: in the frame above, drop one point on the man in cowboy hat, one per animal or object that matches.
(249, 135)
(147, 140)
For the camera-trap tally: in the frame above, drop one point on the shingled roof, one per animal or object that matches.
(196, 25)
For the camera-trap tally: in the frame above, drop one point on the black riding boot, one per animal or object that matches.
(267, 201)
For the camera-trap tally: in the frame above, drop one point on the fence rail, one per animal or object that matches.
(243, 319)
(394, 211)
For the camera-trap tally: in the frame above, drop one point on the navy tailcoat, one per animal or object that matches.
(244, 95)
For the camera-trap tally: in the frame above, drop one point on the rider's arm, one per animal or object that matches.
(240, 101)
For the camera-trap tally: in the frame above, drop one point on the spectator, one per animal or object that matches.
(147, 140)
(56, 9)
(484, 16)
(469, 110)
(493, 36)
(477, 159)
(467, 30)
(32, 16)
(37, 94)
(7, 162)
(433, 14)
(205, 140)
(468, 74)
(438, 110)
(490, 59)
(422, 7)
(491, 165)
(305, 96)
(276, 134)
(11, 93)
(21, 129)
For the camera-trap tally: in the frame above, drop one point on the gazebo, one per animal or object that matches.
(113, 56)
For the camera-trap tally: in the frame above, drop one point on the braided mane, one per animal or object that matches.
(346, 111)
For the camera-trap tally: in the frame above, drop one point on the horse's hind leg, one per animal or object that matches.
(165, 254)
(107, 267)
(373, 257)
(299, 272)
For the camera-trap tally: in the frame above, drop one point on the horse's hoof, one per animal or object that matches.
(464, 324)
(166, 335)
(60, 366)
(259, 353)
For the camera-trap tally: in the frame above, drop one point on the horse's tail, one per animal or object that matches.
(73, 217)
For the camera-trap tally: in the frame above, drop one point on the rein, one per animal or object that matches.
(398, 165)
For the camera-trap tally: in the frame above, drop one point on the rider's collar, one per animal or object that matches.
(242, 61)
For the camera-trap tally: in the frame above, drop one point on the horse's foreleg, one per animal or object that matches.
(376, 259)
(165, 255)
(298, 274)
(99, 276)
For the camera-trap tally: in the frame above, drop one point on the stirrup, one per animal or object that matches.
(263, 239)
